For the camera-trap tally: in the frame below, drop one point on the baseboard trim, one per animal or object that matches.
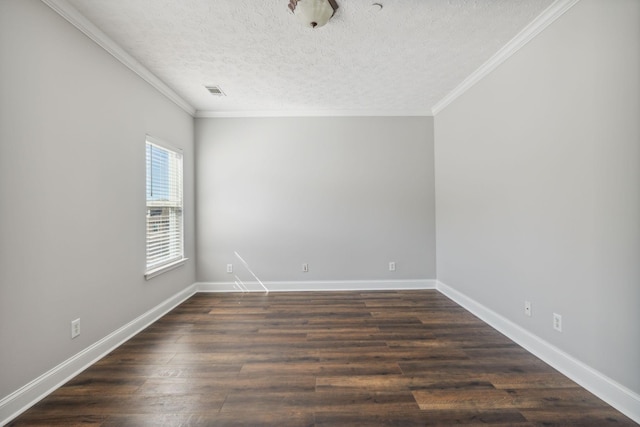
(615, 394)
(318, 286)
(25, 397)
(612, 392)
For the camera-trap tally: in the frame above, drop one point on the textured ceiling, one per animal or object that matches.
(402, 59)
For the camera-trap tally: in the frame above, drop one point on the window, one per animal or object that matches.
(165, 248)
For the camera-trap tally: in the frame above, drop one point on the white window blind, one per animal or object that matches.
(164, 206)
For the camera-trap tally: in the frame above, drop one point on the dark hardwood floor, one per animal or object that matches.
(406, 358)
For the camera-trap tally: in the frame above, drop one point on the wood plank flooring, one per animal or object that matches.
(405, 358)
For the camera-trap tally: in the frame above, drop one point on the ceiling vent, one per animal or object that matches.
(215, 90)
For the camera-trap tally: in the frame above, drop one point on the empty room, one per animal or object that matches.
(319, 212)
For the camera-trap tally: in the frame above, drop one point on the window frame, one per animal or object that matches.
(170, 264)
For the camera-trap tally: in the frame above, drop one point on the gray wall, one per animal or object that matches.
(72, 187)
(538, 187)
(346, 195)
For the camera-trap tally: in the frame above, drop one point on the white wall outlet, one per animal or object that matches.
(305, 267)
(527, 308)
(75, 328)
(557, 322)
(392, 266)
(229, 268)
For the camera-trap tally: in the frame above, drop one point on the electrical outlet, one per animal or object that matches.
(305, 267)
(75, 328)
(557, 322)
(229, 268)
(527, 308)
(392, 266)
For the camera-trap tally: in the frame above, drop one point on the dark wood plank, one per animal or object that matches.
(463, 397)
(420, 418)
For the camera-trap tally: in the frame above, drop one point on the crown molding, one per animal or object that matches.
(318, 113)
(68, 12)
(546, 18)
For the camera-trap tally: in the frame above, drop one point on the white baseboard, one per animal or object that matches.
(612, 392)
(318, 286)
(615, 394)
(22, 399)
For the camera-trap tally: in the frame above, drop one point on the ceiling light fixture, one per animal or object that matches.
(313, 13)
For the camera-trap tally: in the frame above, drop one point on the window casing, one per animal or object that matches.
(165, 230)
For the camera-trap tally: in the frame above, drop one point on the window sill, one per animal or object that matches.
(150, 274)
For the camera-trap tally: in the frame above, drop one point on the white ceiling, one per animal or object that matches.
(402, 60)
